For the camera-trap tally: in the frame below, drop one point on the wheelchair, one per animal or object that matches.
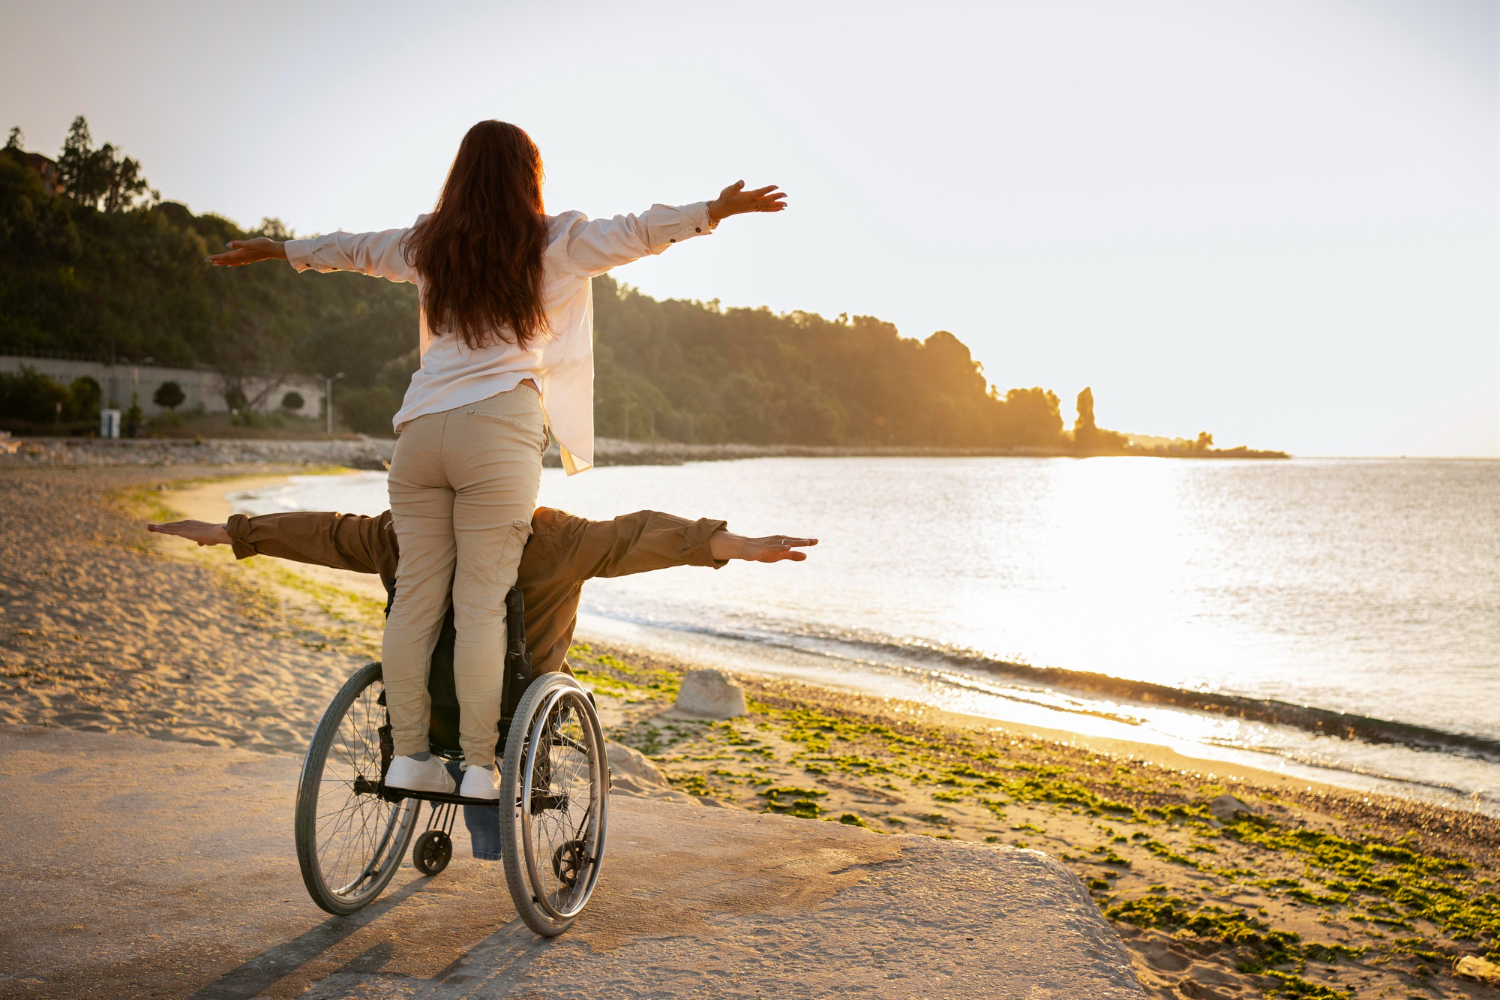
(352, 831)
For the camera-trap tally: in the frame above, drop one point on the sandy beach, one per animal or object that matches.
(1308, 892)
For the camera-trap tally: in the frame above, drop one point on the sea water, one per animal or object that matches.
(1364, 587)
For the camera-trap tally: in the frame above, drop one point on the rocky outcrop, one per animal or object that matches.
(708, 694)
(356, 453)
(632, 773)
(1227, 808)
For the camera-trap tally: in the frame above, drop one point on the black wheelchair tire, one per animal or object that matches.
(536, 912)
(431, 852)
(397, 820)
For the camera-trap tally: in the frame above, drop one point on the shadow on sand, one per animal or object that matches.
(504, 959)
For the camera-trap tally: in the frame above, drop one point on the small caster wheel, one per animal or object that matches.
(432, 852)
(567, 861)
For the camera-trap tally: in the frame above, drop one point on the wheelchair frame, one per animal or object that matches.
(554, 775)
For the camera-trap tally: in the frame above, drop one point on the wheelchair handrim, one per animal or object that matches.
(348, 847)
(599, 805)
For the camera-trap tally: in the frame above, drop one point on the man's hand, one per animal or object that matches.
(735, 200)
(772, 548)
(198, 531)
(242, 252)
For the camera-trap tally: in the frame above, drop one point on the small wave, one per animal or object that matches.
(1321, 721)
(1320, 761)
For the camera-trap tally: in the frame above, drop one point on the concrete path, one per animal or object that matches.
(142, 868)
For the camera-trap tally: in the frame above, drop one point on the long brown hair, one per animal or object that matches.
(480, 251)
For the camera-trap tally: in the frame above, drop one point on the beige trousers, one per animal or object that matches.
(463, 487)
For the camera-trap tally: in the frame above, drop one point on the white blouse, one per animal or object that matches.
(561, 360)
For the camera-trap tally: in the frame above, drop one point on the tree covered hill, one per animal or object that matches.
(92, 263)
(749, 375)
(101, 277)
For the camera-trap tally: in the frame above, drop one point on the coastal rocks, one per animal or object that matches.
(709, 694)
(631, 773)
(355, 453)
(1478, 968)
(1227, 808)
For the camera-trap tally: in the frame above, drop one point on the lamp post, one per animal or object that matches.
(136, 387)
(328, 398)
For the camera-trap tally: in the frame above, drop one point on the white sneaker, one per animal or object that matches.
(481, 783)
(414, 775)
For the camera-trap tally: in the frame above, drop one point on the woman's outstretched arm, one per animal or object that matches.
(593, 246)
(378, 254)
(242, 252)
(735, 200)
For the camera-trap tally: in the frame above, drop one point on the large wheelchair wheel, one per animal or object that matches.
(350, 841)
(555, 784)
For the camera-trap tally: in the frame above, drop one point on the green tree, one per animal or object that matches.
(125, 183)
(90, 175)
(169, 395)
(85, 397)
(30, 396)
(1031, 418)
(78, 167)
(17, 138)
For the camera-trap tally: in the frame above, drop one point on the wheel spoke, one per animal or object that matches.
(349, 842)
(560, 849)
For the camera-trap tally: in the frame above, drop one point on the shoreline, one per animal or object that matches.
(1231, 878)
(370, 453)
(209, 500)
(1097, 706)
(1153, 753)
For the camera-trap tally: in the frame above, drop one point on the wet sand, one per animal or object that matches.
(104, 627)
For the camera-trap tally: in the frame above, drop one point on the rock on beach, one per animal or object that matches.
(709, 694)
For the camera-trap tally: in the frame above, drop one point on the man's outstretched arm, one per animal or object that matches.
(562, 546)
(342, 541)
(725, 545)
(202, 532)
(647, 540)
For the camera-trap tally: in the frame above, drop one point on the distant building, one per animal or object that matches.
(44, 166)
(202, 388)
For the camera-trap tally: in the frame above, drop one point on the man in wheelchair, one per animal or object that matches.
(563, 552)
(348, 847)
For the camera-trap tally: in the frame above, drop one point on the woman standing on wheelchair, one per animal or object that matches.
(506, 335)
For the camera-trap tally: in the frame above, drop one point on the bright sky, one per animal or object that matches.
(1272, 219)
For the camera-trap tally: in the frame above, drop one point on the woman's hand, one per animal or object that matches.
(735, 200)
(242, 252)
(201, 532)
(772, 548)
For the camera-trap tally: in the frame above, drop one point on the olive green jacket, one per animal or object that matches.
(562, 553)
